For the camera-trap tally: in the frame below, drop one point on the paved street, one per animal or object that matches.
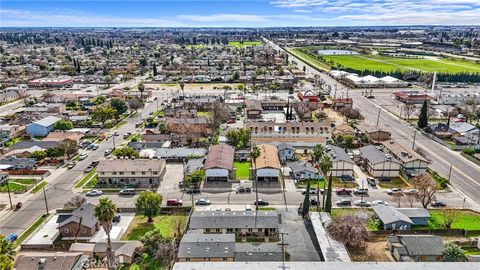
(464, 172)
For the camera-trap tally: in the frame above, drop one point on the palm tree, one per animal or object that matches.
(318, 153)
(141, 88)
(182, 86)
(105, 212)
(325, 166)
(254, 154)
(7, 253)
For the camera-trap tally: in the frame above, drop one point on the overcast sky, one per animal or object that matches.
(233, 13)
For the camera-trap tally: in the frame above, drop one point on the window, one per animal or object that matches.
(187, 259)
(229, 230)
(143, 173)
(114, 173)
(155, 172)
(121, 173)
(250, 230)
(218, 230)
(133, 173)
(102, 173)
(225, 259)
(66, 230)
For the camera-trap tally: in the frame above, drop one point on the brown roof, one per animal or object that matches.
(59, 136)
(268, 157)
(253, 105)
(401, 152)
(129, 165)
(53, 260)
(220, 156)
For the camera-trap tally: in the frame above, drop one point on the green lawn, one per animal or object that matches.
(308, 58)
(13, 187)
(25, 181)
(85, 178)
(396, 182)
(242, 170)
(391, 64)
(313, 183)
(467, 220)
(337, 183)
(13, 141)
(38, 187)
(471, 251)
(166, 224)
(92, 183)
(267, 209)
(239, 45)
(203, 114)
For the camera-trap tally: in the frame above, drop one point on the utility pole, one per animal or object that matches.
(113, 137)
(449, 172)
(45, 198)
(283, 244)
(9, 196)
(378, 116)
(414, 137)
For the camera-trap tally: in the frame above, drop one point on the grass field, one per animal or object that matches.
(313, 183)
(166, 223)
(239, 45)
(395, 182)
(390, 64)
(312, 61)
(467, 220)
(85, 178)
(38, 187)
(242, 170)
(14, 187)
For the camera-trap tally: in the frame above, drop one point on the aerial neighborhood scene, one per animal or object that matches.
(253, 135)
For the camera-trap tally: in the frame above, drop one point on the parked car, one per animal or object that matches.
(95, 163)
(90, 146)
(231, 121)
(127, 192)
(244, 190)
(438, 204)
(88, 169)
(344, 202)
(394, 191)
(202, 202)
(313, 201)
(125, 136)
(95, 147)
(174, 202)
(108, 151)
(192, 190)
(116, 133)
(360, 191)
(410, 191)
(376, 202)
(180, 184)
(94, 192)
(312, 191)
(261, 202)
(71, 165)
(371, 181)
(12, 237)
(83, 156)
(116, 218)
(362, 203)
(343, 192)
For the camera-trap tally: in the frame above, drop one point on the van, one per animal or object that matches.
(127, 192)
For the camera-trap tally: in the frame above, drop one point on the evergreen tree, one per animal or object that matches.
(154, 69)
(423, 118)
(306, 201)
(328, 202)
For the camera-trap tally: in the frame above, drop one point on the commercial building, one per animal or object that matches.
(59, 82)
(411, 97)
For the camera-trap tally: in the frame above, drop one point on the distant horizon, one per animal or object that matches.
(237, 14)
(248, 27)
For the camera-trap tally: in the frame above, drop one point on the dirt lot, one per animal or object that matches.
(374, 252)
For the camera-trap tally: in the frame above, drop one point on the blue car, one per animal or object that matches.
(12, 237)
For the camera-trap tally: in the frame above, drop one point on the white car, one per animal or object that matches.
(394, 191)
(83, 156)
(410, 191)
(362, 203)
(94, 192)
(377, 202)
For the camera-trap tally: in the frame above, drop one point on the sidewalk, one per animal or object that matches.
(360, 175)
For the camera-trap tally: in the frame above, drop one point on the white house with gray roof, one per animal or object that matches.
(379, 163)
(342, 163)
(400, 218)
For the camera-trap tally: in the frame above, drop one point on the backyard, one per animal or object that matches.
(167, 225)
(242, 170)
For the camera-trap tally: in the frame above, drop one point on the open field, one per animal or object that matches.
(309, 59)
(239, 45)
(391, 64)
(165, 223)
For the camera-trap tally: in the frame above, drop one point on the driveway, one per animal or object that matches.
(299, 236)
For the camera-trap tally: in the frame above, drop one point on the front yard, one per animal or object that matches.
(167, 224)
(395, 182)
(242, 170)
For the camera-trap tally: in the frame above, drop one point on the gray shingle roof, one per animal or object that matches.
(388, 214)
(179, 152)
(250, 252)
(338, 154)
(207, 246)
(374, 155)
(414, 212)
(233, 219)
(47, 121)
(301, 166)
(418, 245)
(85, 214)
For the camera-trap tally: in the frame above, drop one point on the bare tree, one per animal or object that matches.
(426, 189)
(75, 202)
(409, 199)
(397, 198)
(219, 115)
(450, 215)
(408, 110)
(350, 230)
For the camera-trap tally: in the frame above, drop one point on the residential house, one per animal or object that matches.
(15, 163)
(442, 131)
(301, 170)
(415, 248)
(267, 166)
(340, 103)
(193, 164)
(412, 162)
(42, 127)
(125, 251)
(60, 136)
(378, 163)
(465, 133)
(52, 260)
(254, 109)
(206, 247)
(342, 163)
(10, 131)
(400, 218)
(344, 129)
(173, 154)
(243, 224)
(286, 152)
(81, 224)
(219, 163)
(137, 172)
(255, 252)
(374, 134)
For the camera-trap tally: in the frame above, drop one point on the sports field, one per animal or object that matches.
(244, 44)
(390, 64)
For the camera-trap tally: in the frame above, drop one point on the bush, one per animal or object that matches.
(469, 151)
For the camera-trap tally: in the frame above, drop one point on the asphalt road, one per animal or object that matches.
(465, 175)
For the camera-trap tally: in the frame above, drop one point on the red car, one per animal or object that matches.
(343, 191)
(174, 202)
(231, 121)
